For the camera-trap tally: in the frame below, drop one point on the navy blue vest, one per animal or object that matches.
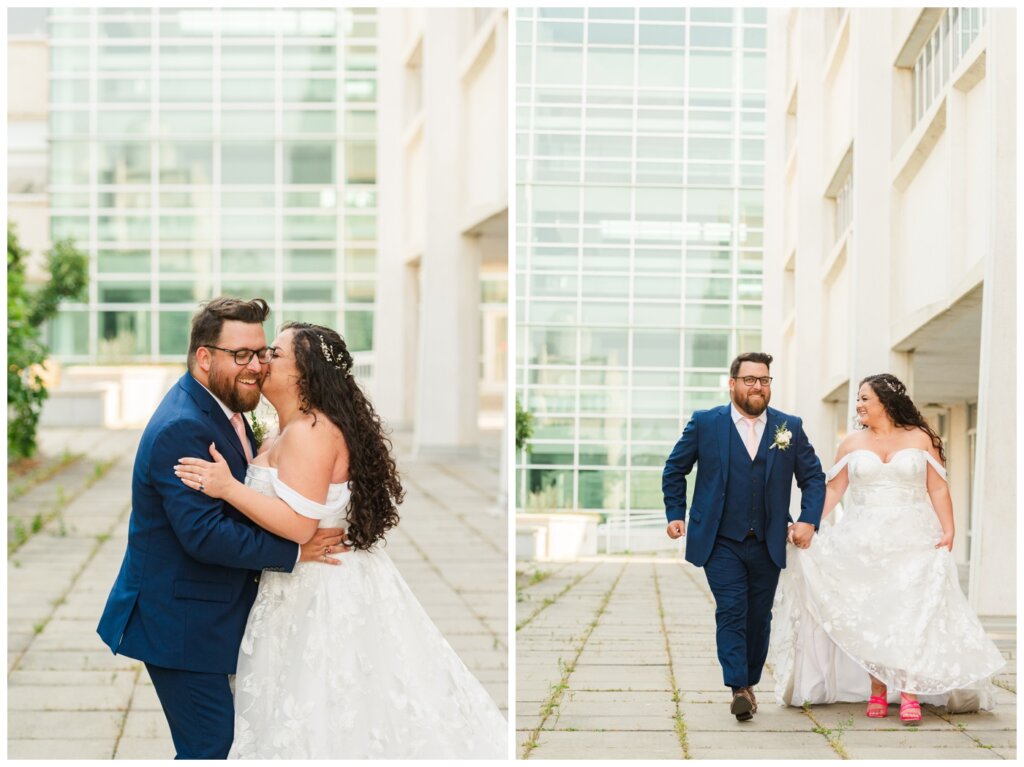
(744, 492)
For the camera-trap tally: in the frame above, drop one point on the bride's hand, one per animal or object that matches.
(212, 479)
(946, 541)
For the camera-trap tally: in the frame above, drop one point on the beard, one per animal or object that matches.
(754, 406)
(228, 391)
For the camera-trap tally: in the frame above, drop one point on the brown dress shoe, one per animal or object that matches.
(753, 698)
(743, 705)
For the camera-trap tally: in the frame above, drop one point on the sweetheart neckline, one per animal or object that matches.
(891, 457)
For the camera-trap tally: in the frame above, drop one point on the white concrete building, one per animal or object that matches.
(27, 114)
(443, 241)
(890, 242)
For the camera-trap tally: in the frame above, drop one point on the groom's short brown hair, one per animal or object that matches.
(758, 357)
(207, 322)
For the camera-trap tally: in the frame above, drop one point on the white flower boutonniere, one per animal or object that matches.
(783, 436)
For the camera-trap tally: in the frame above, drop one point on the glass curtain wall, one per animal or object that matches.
(197, 152)
(640, 165)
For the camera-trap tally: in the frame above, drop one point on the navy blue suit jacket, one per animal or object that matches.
(189, 574)
(705, 441)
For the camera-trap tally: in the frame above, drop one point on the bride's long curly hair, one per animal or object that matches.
(899, 407)
(326, 384)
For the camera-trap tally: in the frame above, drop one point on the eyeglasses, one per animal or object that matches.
(244, 356)
(750, 380)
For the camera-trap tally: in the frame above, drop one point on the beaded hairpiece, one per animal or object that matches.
(338, 363)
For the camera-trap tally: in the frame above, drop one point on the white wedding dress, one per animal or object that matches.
(873, 594)
(342, 662)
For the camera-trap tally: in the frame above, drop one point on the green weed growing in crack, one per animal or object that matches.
(37, 523)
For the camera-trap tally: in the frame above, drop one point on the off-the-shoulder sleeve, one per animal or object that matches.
(939, 468)
(835, 470)
(299, 503)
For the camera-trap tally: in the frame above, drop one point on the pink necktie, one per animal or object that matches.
(751, 436)
(236, 421)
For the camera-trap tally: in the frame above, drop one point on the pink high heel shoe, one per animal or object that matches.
(881, 707)
(910, 710)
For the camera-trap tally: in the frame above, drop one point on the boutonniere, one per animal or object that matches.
(259, 429)
(783, 436)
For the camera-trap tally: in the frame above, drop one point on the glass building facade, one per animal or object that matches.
(197, 152)
(640, 166)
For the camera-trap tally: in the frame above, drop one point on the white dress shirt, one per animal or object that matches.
(741, 428)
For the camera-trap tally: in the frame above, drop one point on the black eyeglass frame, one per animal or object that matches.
(267, 351)
(764, 380)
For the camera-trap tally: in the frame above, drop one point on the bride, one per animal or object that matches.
(874, 607)
(338, 662)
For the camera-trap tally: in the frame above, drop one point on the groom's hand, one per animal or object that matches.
(801, 533)
(676, 529)
(324, 542)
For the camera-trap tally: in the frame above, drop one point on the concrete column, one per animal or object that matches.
(993, 581)
(393, 306)
(812, 215)
(447, 376)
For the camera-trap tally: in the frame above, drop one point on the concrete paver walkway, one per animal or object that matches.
(615, 659)
(69, 697)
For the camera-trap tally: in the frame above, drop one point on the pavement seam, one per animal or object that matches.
(559, 689)
(56, 604)
(498, 640)
(548, 601)
(836, 742)
(945, 716)
(100, 470)
(460, 517)
(127, 710)
(680, 721)
(686, 571)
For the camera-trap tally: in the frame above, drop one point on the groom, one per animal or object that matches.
(748, 455)
(182, 597)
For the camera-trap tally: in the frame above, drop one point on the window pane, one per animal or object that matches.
(123, 90)
(236, 90)
(360, 162)
(179, 58)
(308, 260)
(123, 261)
(123, 292)
(69, 58)
(309, 292)
(68, 333)
(247, 162)
(309, 57)
(359, 331)
(109, 122)
(122, 162)
(69, 91)
(359, 260)
(247, 58)
(186, 162)
(246, 260)
(184, 292)
(69, 162)
(310, 228)
(308, 90)
(177, 123)
(123, 334)
(313, 122)
(179, 90)
(247, 123)
(710, 69)
(243, 228)
(174, 332)
(707, 349)
(177, 260)
(309, 162)
(132, 57)
(360, 291)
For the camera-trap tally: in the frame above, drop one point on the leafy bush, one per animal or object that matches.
(27, 310)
